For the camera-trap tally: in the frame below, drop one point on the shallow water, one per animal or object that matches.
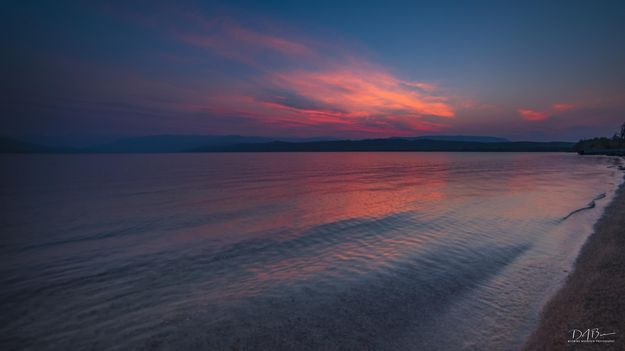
(380, 251)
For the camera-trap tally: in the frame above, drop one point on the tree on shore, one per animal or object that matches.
(616, 142)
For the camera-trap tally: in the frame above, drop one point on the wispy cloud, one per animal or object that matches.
(562, 107)
(227, 38)
(298, 81)
(533, 115)
(361, 92)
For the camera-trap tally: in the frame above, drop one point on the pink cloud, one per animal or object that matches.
(313, 87)
(532, 115)
(362, 93)
(227, 38)
(428, 87)
(562, 107)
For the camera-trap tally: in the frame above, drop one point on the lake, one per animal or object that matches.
(289, 251)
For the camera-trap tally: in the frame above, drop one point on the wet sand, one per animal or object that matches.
(593, 295)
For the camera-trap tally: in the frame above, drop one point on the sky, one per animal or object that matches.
(525, 70)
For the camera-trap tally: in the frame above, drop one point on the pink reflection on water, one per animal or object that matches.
(356, 193)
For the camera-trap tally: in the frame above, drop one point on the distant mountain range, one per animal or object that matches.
(9, 145)
(174, 143)
(471, 138)
(237, 143)
(392, 144)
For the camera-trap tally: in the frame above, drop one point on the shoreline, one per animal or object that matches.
(593, 295)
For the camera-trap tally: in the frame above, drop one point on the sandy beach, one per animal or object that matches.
(590, 307)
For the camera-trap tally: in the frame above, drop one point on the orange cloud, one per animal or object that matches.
(532, 115)
(357, 93)
(332, 89)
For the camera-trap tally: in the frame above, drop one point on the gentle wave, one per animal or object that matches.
(590, 205)
(379, 251)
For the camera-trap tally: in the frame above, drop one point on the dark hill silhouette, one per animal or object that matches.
(172, 143)
(472, 138)
(392, 144)
(10, 145)
(235, 143)
(183, 143)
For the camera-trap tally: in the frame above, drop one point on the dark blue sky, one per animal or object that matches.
(523, 70)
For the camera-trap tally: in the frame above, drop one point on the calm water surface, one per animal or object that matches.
(324, 251)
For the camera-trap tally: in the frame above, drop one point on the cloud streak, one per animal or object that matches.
(300, 83)
(227, 38)
(536, 116)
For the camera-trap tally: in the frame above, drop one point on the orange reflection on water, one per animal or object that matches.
(371, 192)
(346, 198)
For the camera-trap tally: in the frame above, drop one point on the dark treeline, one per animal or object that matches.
(394, 144)
(603, 145)
(167, 144)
